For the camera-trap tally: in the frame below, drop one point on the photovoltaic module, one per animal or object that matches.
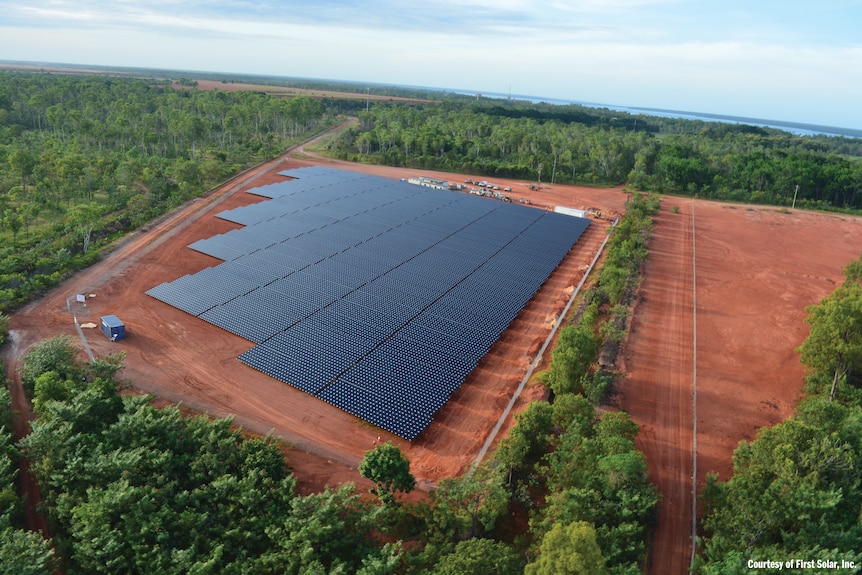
(374, 295)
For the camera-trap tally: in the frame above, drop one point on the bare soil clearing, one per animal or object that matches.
(757, 269)
(184, 360)
(291, 92)
(278, 91)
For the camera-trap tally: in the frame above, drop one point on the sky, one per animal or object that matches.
(790, 60)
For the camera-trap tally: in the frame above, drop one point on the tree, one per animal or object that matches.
(833, 348)
(25, 553)
(796, 490)
(569, 550)
(4, 328)
(853, 272)
(82, 219)
(528, 439)
(22, 161)
(21, 552)
(325, 532)
(479, 557)
(573, 410)
(477, 499)
(49, 386)
(576, 349)
(389, 470)
(13, 220)
(56, 354)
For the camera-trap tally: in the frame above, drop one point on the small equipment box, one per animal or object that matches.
(113, 328)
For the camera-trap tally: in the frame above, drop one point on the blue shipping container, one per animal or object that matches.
(113, 328)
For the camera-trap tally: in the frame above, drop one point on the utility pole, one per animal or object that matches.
(794, 197)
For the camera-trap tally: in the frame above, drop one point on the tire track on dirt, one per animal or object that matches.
(693, 390)
(657, 393)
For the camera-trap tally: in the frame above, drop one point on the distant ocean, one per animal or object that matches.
(792, 127)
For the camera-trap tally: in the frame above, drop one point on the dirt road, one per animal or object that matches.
(657, 393)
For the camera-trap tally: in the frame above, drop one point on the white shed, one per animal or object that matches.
(571, 211)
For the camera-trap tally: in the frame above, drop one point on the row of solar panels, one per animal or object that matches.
(381, 306)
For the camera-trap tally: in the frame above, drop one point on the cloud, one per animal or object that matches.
(450, 17)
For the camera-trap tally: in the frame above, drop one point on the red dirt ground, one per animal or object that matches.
(757, 269)
(184, 360)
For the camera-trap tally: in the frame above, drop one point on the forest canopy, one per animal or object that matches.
(580, 145)
(85, 159)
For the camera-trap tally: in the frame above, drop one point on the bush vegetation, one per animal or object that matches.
(580, 145)
(84, 160)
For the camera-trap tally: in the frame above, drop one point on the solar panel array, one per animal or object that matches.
(374, 295)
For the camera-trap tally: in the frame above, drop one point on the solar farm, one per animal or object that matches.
(374, 295)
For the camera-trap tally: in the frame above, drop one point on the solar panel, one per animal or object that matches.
(377, 296)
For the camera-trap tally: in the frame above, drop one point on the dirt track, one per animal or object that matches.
(757, 269)
(657, 393)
